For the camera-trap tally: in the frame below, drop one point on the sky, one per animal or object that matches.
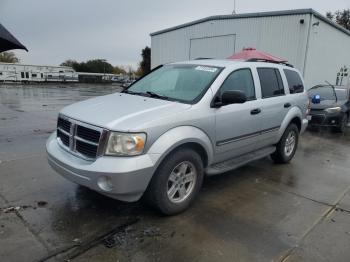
(116, 30)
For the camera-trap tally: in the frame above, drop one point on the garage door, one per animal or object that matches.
(212, 47)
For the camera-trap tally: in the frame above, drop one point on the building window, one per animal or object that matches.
(0, 73)
(295, 83)
(22, 74)
(27, 74)
(49, 76)
(42, 75)
(34, 75)
(271, 82)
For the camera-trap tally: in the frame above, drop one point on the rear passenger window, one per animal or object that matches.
(241, 80)
(271, 82)
(294, 81)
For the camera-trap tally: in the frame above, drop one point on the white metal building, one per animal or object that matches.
(36, 73)
(315, 45)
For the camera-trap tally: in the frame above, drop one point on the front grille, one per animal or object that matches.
(88, 134)
(86, 149)
(63, 124)
(317, 119)
(63, 137)
(79, 138)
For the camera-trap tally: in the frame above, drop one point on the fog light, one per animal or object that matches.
(105, 183)
(333, 122)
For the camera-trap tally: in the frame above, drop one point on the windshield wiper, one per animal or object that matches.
(155, 95)
(132, 92)
(335, 93)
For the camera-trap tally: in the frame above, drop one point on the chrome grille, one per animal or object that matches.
(79, 138)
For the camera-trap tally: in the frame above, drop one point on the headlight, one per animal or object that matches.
(125, 144)
(333, 109)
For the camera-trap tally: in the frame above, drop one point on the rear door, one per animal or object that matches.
(274, 104)
(237, 125)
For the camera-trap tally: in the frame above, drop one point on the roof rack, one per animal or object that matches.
(269, 61)
(202, 58)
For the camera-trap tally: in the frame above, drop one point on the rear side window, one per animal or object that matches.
(271, 82)
(295, 83)
(241, 80)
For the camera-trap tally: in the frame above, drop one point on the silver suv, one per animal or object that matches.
(163, 134)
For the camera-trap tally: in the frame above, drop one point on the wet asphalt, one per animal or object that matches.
(260, 212)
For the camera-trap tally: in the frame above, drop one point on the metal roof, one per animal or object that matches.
(254, 15)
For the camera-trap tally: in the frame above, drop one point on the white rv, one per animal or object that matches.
(36, 73)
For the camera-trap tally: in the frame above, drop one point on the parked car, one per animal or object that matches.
(163, 134)
(127, 83)
(330, 106)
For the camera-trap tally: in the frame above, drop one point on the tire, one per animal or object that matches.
(282, 155)
(343, 123)
(170, 175)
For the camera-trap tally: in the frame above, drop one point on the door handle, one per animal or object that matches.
(255, 111)
(286, 105)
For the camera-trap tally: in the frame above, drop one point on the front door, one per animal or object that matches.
(237, 125)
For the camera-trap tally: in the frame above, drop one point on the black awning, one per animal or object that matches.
(8, 41)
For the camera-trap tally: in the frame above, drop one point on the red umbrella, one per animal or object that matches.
(250, 53)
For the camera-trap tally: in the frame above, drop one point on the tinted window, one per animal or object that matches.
(241, 80)
(294, 81)
(271, 82)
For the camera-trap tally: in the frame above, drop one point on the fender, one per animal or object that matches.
(176, 137)
(292, 113)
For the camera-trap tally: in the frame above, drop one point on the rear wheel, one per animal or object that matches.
(176, 182)
(286, 147)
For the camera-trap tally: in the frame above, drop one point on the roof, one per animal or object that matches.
(254, 15)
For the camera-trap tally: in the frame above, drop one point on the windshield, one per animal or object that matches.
(327, 93)
(184, 83)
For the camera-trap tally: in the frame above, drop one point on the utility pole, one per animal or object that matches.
(234, 7)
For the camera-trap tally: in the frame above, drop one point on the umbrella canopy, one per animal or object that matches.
(253, 54)
(8, 41)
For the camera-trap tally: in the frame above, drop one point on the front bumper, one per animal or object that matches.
(128, 176)
(304, 124)
(324, 119)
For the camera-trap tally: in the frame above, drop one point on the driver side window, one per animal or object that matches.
(241, 80)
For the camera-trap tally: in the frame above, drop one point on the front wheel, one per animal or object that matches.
(176, 182)
(287, 146)
(342, 125)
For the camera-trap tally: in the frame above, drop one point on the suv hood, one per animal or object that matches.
(122, 112)
(326, 104)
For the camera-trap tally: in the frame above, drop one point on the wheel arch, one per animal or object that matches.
(182, 137)
(295, 116)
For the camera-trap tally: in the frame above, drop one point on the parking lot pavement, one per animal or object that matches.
(260, 212)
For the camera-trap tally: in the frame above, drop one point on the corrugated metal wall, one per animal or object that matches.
(217, 46)
(282, 36)
(329, 50)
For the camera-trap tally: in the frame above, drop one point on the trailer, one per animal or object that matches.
(36, 73)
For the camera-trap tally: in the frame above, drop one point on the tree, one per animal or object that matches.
(119, 70)
(92, 66)
(8, 57)
(99, 66)
(342, 18)
(145, 64)
(71, 63)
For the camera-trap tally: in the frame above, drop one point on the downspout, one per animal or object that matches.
(307, 44)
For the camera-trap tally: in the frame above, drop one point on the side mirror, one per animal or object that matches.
(230, 97)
